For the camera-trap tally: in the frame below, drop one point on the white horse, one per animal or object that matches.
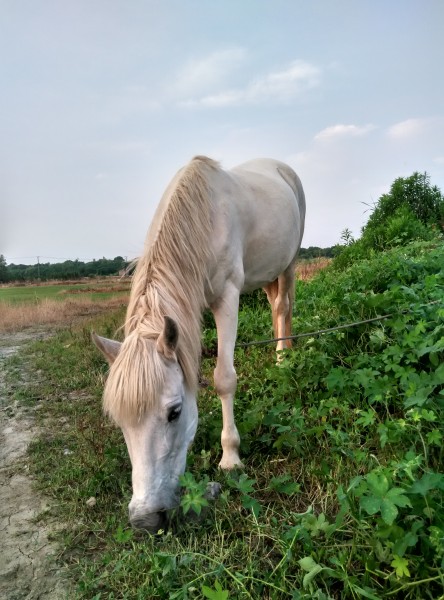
(215, 235)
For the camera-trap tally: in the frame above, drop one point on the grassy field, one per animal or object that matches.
(100, 290)
(342, 494)
(58, 303)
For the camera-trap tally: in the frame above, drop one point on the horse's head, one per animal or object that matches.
(145, 394)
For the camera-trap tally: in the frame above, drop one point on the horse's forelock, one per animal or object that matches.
(135, 380)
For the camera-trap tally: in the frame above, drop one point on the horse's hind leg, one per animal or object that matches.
(225, 380)
(272, 291)
(289, 317)
(283, 306)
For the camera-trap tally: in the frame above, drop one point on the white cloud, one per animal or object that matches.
(201, 76)
(279, 86)
(408, 128)
(343, 131)
(283, 85)
(439, 160)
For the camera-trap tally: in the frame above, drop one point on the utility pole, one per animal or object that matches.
(38, 267)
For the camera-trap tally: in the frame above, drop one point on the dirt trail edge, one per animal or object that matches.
(27, 566)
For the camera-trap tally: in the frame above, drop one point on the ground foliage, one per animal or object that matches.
(342, 495)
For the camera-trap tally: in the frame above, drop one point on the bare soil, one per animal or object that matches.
(28, 567)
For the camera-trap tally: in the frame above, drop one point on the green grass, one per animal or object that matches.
(342, 496)
(35, 293)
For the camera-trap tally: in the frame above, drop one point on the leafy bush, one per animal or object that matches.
(412, 210)
(423, 200)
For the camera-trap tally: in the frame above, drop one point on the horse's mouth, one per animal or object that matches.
(153, 523)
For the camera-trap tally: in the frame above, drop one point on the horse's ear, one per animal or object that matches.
(167, 340)
(109, 348)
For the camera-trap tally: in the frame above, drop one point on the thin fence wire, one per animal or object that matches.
(329, 329)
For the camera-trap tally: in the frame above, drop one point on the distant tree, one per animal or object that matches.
(3, 270)
(316, 252)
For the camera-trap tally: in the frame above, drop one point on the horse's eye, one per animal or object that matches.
(174, 413)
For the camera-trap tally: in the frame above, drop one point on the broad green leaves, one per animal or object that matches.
(378, 496)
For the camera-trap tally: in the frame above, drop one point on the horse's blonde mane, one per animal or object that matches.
(169, 281)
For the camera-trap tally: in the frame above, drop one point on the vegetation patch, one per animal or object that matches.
(342, 496)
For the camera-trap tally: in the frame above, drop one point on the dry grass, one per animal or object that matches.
(92, 281)
(306, 270)
(15, 317)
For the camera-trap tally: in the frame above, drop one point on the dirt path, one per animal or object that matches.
(27, 567)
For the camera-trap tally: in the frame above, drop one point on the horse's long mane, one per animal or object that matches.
(169, 281)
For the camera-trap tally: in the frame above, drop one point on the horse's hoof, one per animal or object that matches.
(213, 491)
(231, 465)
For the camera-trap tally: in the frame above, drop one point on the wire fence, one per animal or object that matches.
(329, 329)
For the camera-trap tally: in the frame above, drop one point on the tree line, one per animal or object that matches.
(76, 269)
(69, 269)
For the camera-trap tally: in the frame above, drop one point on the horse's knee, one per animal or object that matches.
(225, 380)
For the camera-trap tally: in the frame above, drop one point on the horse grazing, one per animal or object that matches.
(215, 235)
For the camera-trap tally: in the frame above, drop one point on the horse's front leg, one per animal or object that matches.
(225, 380)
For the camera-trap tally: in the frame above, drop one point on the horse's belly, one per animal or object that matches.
(259, 272)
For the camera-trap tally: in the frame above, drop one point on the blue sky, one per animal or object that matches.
(102, 101)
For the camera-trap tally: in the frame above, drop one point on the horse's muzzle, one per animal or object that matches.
(151, 522)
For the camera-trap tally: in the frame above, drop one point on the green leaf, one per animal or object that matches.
(383, 434)
(243, 484)
(439, 375)
(316, 525)
(336, 379)
(251, 503)
(354, 483)
(371, 504)
(378, 483)
(396, 495)
(284, 485)
(311, 575)
(367, 418)
(215, 594)
(313, 568)
(389, 512)
(366, 592)
(123, 535)
(193, 502)
(429, 481)
(308, 563)
(408, 540)
(400, 565)
(434, 437)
